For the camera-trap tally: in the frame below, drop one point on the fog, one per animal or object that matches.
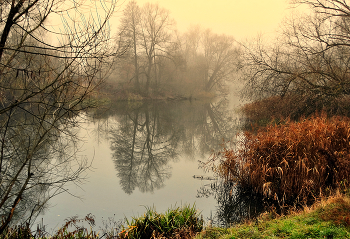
(241, 19)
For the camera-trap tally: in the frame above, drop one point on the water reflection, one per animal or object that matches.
(141, 149)
(38, 157)
(145, 136)
(234, 205)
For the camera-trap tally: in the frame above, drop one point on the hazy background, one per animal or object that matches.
(241, 19)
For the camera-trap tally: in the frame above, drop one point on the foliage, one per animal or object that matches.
(338, 211)
(182, 222)
(79, 231)
(291, 163)
(17, 232)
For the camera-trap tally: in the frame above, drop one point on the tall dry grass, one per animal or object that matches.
(291, 163)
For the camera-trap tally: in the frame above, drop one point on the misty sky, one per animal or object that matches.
(239, 18)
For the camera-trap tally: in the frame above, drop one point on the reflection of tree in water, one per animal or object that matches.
(38, 156)
(234, 205)
(147, 136)
(141, 149)
(217, 126)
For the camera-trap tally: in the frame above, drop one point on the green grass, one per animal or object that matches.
(182, 222)
(327, 220)
(288, 227)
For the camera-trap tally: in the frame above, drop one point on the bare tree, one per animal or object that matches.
(129, 38)
(310, 59)
(211, 59)
(221, 56)
(156, 27)
(144, 34)
(43, 87)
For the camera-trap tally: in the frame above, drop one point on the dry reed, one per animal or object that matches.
(291, 163)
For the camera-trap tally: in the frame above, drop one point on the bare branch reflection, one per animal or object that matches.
(145, 137)
(234, 204)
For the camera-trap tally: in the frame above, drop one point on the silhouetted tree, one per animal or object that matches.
(310, 58)
(145, 34)
(44, 85)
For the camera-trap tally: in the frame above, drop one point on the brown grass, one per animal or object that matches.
(336, 210)
(293, 106)
(291, 163)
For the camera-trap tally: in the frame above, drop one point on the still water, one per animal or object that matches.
(143, 155)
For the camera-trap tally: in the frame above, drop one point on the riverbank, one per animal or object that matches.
(329, 218)
(127, 93)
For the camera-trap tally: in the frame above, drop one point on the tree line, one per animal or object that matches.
(157, 59)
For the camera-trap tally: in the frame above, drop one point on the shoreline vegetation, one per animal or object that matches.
(329, 217)
(109, 92)
(298, 166)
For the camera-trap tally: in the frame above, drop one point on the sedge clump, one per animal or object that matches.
(179, 222)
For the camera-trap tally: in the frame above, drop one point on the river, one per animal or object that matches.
(144, 155)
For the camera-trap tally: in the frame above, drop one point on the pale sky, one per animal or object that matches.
(239, 18)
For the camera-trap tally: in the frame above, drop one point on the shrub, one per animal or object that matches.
(175, 223)
(291, 163)
(293, 106)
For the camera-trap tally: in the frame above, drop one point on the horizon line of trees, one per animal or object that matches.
(157, 59)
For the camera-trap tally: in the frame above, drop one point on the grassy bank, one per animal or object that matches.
(291, 164)
(326, 219)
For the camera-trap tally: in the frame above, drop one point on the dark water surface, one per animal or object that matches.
(145, 154)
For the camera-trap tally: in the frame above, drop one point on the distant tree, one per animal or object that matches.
(161, 59)
(191, 42)
(129, 37)
(221, 58)
(144, 35)
(211, 59)
(156, 29)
